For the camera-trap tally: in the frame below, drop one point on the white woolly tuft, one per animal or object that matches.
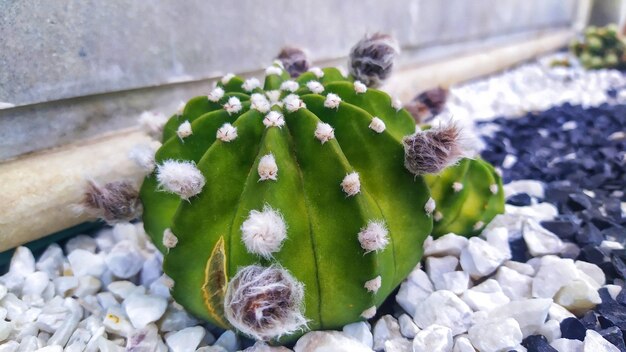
(359, 87)
(324, 132)
(493, 188)
(273, 70)
(438, 216)
(216, 94)
(184, 130)
(479, 225)
(268, 170)
(233, 105)
(278, 63)
(351, 184)
(374, 284)
(293, 103)
(263, 232)
(315, 87)
(274, 119)
(332, 101)
(374, 236)
(226, 133)
(259, 103)
(369, 313)
(227, 77)
(180, 108)
(143, 156)
(377, 125)
(180, 177)
(396, 104)
(169, 239)
(265, 303)
(152, 123)
(457, 186)
(273, 96)
(317, 72)
(290, 86)
(250, 84)
(430, 206)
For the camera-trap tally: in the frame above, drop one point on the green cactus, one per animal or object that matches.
(468, 196)
(600, 48)
(295, 205)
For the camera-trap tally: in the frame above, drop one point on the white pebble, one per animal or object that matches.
(407, 327)
(553, 274)
(85, 242)
(360, 331)
(435, 338)
(326, 341)
(35, 283)
(51, 261)
(522, 268)
(436, 267)
(567, 345)
(480, 258)
(443, 308)
(485, 297)
(455, 281)
(539, 240)
(530, 314)
(551, 330)
(594, 342)
(386, 329)
(6, 327)
(124, 260)
(500, 335)
(499, 238)
(84, 263)
(578, 297)
(449, 244)
(229, 341)
(614, 290)
(462, 344)
(514, 285)
(559, 313)
(185, 340)
(531, 187)
(414, 290)
(142, 309)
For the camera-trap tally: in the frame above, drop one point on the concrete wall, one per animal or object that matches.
(74, 69)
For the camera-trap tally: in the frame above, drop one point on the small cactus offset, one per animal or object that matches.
(286, 206)
(601, 48)
(468, 196)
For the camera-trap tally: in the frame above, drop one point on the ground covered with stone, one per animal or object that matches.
(545, 276)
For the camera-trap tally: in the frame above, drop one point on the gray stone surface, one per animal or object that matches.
(78, 68)
(63, 49)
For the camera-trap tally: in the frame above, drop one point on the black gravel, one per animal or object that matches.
(580, 155)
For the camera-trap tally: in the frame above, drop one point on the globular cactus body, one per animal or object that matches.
(468, 196)
(304, 179)
(601, 48)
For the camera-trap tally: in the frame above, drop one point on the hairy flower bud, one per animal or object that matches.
(294, 60)
(371, 59)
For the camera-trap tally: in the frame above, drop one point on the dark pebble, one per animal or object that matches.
(566, 230)
(592, 254)
(520, 200)
(519, 250)
(573, 329)
(537, 343)
(589, 320)
(589, 234)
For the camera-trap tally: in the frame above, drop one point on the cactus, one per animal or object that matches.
(601, 48)
(468, 196)
(287, 207)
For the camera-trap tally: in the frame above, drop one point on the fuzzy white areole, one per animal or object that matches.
(369, 313)
(293, 103)
(315, 87)
(267, 169)
(216, 94)
(351, 184)
(227, 77)
(332, 101)
(396, 104)
(226, 133)
(169, 239)
(430, 206)
(180, 177)
(324, 132)
(184, 130)
(374, 236)
(263, 232)
(359, 87)
(274, 119)
(457, 187)
(374, 284)
(289, 86)
(317, 72)
(259, 103)
(377, 125)
(251, 84)
(273, 70)
(493, 188)
(233, 105)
